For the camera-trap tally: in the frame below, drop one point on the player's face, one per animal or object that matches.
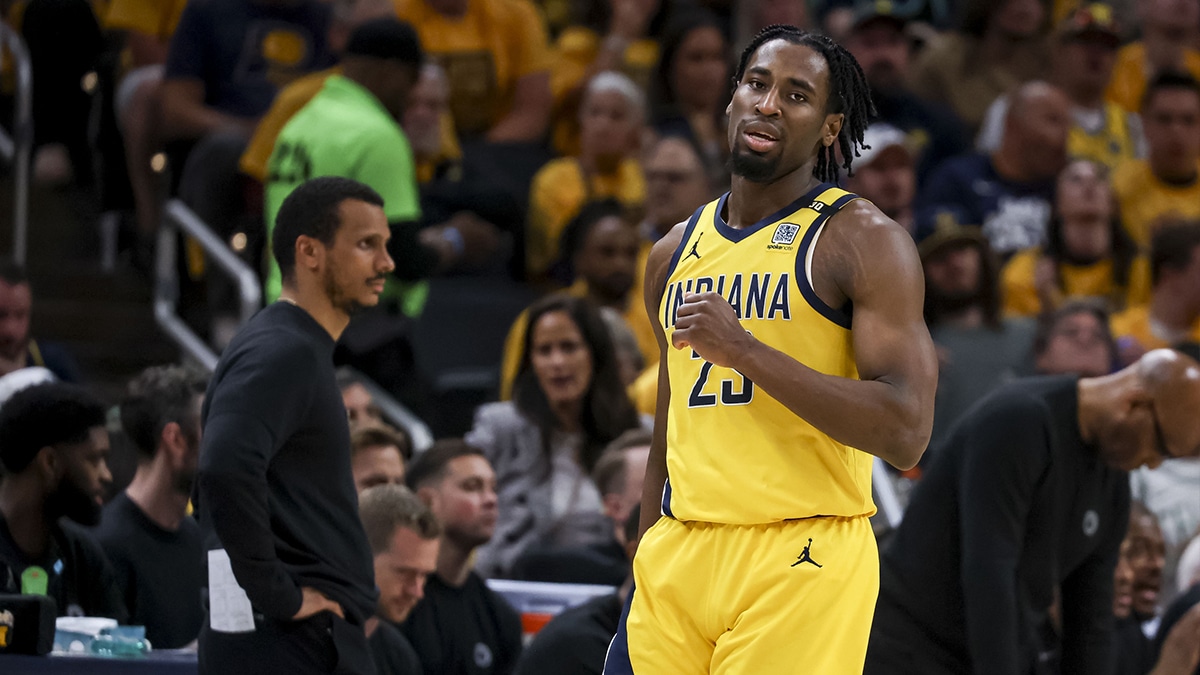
(561, 359)
(465, 501)
(377, 465)
(777, 118)
(608, 259)
(401, 571)
(1077, 345)
(84, 478)
(1147, 556)
(358, 262)
(16, 302)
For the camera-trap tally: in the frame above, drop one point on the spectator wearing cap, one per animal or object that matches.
(351, 129)
(1084, 52)
(885, 174)
(1087, 253)
(1167, 30)
(53, 450)
(1001, 45)
(18, 348)
(1008, 191)
(879, 40)
(1166, 184)
(977, 348)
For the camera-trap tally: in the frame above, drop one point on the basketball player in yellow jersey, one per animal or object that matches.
(788, 313)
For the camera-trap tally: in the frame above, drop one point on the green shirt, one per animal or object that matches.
(343, 131)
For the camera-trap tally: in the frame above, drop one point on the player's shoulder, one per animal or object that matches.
(861, 218)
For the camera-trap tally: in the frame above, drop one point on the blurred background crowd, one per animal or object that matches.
(1044, 155)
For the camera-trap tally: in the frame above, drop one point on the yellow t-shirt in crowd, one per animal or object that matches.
(157, 18)
(484, 52)
(1145, 201)
(559, 190)
(1135, 323)
(295, 96)
(1095, 280)
(1110, 145)
(514, 344)
(1130, 75)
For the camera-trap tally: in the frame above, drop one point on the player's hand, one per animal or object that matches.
(708, 325)
(315, 602)
(1181, 650)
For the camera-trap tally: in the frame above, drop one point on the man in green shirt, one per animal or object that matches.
(351, 129)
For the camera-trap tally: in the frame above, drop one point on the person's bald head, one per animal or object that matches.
(1035, 131)
(1145, 413)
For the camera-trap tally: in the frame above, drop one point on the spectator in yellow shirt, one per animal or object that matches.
(611, 119)
(1165, 185)
(1167, 28)
(1173, 314)
(1087, 253)
(497, 57)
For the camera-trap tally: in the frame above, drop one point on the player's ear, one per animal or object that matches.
(833, 125)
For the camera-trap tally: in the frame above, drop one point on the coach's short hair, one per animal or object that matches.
(312, 210)
(44, 415)
(385, 508)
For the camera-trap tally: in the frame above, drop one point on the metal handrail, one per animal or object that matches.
(177, 216)
(18, 147)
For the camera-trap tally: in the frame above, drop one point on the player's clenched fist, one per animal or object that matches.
(708, 325)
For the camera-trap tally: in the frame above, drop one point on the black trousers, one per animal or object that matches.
(319, 645)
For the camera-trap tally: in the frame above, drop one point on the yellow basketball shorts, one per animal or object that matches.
(791, 597)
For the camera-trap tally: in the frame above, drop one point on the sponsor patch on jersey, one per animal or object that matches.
(785, 234)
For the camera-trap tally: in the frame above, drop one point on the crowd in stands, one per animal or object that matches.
(1044, 156)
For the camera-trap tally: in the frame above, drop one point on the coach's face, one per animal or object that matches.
(357, 263)
(777, 118)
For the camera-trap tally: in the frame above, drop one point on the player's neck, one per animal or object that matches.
(311, 297)
(750, 202)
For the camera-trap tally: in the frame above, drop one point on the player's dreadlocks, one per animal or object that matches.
(849, 93)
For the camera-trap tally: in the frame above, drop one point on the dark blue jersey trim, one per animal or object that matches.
(687, 234)
(841, 317)
(735, 235)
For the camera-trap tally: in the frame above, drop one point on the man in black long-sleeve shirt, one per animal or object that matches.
(1028, 494)
(275, 485)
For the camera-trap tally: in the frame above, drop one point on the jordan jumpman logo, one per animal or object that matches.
(804, 557)
(694, 252)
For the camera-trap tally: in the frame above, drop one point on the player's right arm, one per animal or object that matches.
(657, 269)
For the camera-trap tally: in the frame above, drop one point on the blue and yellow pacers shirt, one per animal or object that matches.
(734, 454)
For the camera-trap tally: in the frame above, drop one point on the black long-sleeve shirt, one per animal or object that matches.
(275, 483)
(1014, 505)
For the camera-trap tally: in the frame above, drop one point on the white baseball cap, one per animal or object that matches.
(880, 137)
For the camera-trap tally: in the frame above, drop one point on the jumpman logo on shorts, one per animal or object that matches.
(804, 557)
(694, 252)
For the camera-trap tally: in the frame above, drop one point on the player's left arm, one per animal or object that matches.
(888, 412)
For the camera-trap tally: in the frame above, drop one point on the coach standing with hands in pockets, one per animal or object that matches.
(275, 486)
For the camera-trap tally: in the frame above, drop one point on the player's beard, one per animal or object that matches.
(752, 167)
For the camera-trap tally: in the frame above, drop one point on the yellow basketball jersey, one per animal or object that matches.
(734, 454)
